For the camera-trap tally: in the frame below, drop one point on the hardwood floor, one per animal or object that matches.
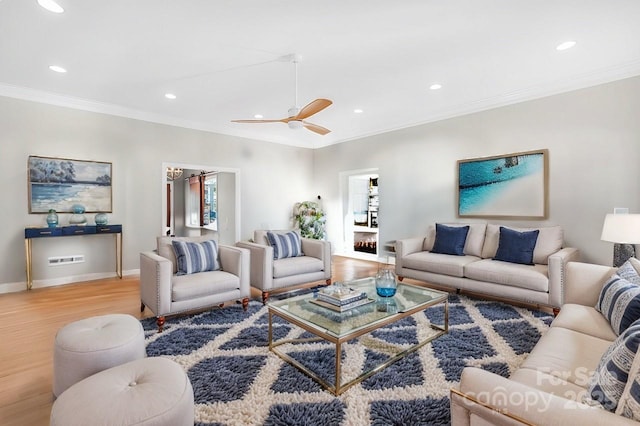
(29, 321)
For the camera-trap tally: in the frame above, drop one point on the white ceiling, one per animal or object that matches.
(221, 58)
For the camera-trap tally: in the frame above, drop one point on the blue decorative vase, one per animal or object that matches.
(77, 218)
(101, 219)
(52, 218)
(386, 284)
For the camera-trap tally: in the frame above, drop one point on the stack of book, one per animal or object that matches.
(341, 301)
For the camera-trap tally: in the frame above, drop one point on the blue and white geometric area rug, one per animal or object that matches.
(237, 381)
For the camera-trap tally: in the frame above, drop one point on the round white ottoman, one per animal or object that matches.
(85, 347)
(152, 391)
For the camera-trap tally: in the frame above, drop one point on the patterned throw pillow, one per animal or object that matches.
(196, 257)
(450, 239)
(611, 375)
(516, 247)
(619, 302)
(629, 273)
(629, 404)
(285, 245)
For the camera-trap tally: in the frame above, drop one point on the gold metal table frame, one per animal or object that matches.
(323, 334)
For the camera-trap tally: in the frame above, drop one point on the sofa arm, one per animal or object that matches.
(235, 260)
(405, 247)
(584, 282)
(557, 271)
(500, 401)
(261, 265)
(319, 249)
(155, 282)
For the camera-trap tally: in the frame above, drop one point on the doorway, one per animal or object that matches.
(360, 204)
(213, 207)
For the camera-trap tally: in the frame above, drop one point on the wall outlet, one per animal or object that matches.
(620, 210)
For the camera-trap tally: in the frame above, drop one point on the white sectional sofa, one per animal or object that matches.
(550, 386)
(475, 270)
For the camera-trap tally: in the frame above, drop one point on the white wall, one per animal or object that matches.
(273, 178)
(593, 137)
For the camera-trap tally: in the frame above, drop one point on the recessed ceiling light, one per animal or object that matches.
(358, 111)
(57, 68)
(566, 45)
(51, 6)
(258, 116)
(169, 96)
(435, 86)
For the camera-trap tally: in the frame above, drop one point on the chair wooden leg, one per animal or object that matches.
(142, 307)
(160, 322)
(556, 311)
(400, 278)
(245, 304)
(328, 281)
(265, 296)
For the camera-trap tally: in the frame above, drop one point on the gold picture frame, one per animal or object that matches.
(509, 186)
(61, 183)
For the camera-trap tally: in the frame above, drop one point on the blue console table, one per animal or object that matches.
(69, 231)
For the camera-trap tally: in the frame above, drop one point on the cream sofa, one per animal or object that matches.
(549, 386)
(270, 276)
(476, 271)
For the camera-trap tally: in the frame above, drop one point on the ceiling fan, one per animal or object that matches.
(297, 115)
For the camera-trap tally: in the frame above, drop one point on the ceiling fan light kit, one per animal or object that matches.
(297, 115)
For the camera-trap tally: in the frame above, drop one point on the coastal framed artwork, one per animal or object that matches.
(59, 183)
(505, 186)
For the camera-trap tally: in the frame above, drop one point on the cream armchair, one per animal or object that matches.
(269, 275)
(166, 293)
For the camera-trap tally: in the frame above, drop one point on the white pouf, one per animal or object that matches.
(88, 346)
(151, 392)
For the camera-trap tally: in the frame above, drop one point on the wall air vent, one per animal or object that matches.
(66, 260)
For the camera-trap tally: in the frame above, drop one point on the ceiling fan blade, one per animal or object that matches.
(315, 128)
(258, 121)
(313, 107)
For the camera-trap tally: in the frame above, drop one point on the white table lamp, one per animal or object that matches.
(624, 231)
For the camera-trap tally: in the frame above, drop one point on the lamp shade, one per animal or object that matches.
(621, 228)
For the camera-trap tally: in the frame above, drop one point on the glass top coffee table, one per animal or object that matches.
(339, 328)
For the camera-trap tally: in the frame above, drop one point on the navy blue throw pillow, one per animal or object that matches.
(450, 239)
(516, 247)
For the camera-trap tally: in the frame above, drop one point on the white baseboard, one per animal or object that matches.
(22, 286)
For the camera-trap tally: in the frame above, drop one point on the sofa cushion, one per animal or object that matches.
(472, 246)
(437, 263)
(629, 404)
(611, 374)
(450, 239)
(192, 257)
(550, 240)
(296, 266)
(285, 245)
(584, 319)
(186, 287)
(566, 355)
(515, 246)
(532, 277)
(619, 302)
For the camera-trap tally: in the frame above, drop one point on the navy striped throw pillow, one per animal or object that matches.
(610, 378)
(619, 302)
(285, 245)
(196, 257)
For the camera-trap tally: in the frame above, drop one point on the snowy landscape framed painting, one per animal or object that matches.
(505, 186)
(59, 183)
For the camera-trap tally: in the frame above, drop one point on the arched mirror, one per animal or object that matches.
(200, 199)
